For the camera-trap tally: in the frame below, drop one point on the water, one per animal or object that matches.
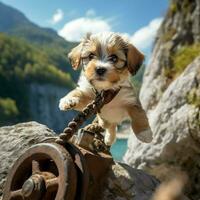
(118, 149)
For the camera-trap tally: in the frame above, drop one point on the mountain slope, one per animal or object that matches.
(21, 65)
(15, 23)
(34, 71)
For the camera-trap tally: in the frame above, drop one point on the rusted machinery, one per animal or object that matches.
(70, 167)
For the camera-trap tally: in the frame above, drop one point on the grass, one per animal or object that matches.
(167, 36)
(193, 97)
(173, 8)
(184, 8)
(181, 59)
(185, 56)
(8, 109)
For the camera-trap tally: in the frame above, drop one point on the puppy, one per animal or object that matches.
(108, 61)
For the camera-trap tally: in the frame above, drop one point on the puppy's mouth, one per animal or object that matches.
(100, 79)
(100, 83)
(97, 80)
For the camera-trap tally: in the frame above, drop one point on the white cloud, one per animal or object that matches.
(57, 17)
(77, 28)
(144, 37)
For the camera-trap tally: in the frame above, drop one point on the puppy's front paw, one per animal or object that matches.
(68, 103)
(145, 136)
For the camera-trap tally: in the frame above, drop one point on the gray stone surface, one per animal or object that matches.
(122, 182)
(180, 27)
(176, 132)
(126, 183)
(172, 101)
(172, 121)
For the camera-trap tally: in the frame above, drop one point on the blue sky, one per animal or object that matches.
(137, 19)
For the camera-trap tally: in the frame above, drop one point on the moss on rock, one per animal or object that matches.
(193, 97)
(181, 59)
(172, 8)
(184, 56)
(167, 36)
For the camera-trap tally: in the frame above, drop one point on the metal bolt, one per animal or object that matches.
(34, 187)
(28, 187)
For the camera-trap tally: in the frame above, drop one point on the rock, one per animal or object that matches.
(175, 124)
(174, 114)
(180, 27)
(170, 94)
(150, 94)
(125, 182)
(122, 182)
(173, 121)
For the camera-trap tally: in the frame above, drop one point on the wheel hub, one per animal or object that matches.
(34, 187)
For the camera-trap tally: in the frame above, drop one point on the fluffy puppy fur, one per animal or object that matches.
(108, 61)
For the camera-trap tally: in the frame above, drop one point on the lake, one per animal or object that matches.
(118, 149)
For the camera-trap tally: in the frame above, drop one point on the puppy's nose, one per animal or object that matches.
(100, 71)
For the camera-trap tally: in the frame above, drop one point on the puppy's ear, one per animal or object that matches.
(75, 56)
(134, 59)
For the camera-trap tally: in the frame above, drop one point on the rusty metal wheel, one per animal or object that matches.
(44, 172)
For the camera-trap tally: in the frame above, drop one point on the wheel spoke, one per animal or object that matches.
(52, 184)
(35, 167)
(16, 194)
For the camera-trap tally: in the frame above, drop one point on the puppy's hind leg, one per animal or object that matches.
(110, 135)
(139, 123)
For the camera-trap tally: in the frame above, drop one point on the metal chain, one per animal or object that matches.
(102, 98)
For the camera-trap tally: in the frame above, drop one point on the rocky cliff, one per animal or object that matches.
(176, 46)
(171, 95)
(43, 106)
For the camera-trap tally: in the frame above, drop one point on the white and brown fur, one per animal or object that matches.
(108, 61)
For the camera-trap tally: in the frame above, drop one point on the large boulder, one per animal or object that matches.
(176, 126)
(122, 181)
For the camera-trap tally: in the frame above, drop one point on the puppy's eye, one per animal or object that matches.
(113, 58)
(91, 56)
